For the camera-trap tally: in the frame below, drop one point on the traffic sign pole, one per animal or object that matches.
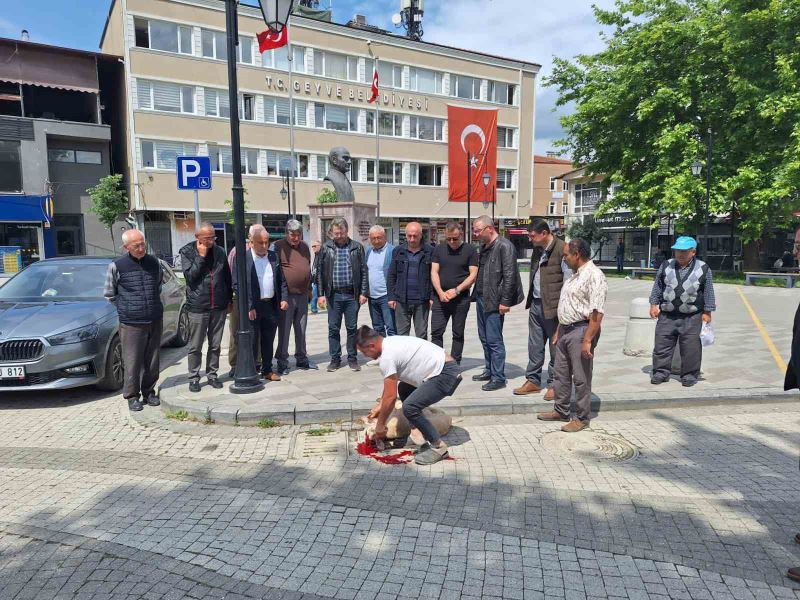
(197, 220)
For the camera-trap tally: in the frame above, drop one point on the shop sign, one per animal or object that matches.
(617, 220)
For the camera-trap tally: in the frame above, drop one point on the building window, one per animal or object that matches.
(390, 124)
(505, 179)
(587, 196)
(247, 107)
(429, 175)
(222, 160)
(565, 186)
(303, 161)
(335, 66)
(214, 44)
(552, 184)
(505, 137)
(391, 172)
(337, 118)
(60, 155)
(279, 163)
(427, 128)
(82, 157)
(159, 154)
(160, 35)
(10, 166)
(564, 208)
(551, 208)
(245, 50)
(425, 81)
(355, 170)
(217, 103)
(390, 75)
(502, 93)
(370, 121)
(322, 167)
(465, 87)
(169, 97)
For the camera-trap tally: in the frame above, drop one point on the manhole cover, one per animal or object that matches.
(589, 445)
(318, 446)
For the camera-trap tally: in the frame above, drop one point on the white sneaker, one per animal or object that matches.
(374, 362)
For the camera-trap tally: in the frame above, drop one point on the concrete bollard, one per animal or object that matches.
(641, 329)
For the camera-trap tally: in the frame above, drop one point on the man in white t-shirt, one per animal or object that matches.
(421, 374)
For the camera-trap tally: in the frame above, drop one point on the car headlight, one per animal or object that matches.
(73, 336)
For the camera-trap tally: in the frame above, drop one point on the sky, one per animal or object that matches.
(529, 30)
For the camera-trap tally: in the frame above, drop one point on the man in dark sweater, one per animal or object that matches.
(295, 258)
(133, 284)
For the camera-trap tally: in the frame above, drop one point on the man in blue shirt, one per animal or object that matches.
(379, 257)
(409, 283)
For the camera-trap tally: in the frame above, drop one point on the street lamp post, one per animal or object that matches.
(276, 14)
(286, 196)
(469, 195)
(697, 168)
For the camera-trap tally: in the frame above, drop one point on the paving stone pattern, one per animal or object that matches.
(96, 505)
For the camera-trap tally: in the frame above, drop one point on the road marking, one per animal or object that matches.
(762, 330)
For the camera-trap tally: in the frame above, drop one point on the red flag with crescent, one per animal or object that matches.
(374, 95)
(269, 39)
(471, 139)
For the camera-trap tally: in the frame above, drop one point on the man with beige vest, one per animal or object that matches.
(547, 275)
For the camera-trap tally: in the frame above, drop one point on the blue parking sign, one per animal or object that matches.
(194, 172)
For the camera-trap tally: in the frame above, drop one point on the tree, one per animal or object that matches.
(230, 212)
(671, 70)
(326, 196)
(587, 230)
(109, 202)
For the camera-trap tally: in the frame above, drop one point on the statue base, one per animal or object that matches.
(360, 217)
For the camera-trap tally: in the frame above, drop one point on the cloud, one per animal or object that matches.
(9, 29)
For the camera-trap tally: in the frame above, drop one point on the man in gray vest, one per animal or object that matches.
(682, 300)
(133, 284)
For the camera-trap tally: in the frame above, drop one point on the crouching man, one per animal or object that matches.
(421, 374)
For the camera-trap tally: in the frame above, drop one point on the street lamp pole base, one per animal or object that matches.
(246, 379)
(246, 386)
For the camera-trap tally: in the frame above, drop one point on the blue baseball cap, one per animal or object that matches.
(685, 243)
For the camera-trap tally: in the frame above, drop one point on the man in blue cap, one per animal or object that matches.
(682, 300)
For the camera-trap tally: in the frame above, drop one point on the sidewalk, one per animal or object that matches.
(738, 368)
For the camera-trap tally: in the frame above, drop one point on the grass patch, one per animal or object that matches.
(268, 423)
(319, 432)
(178, 415)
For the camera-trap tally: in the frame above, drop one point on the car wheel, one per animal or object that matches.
(114, 375)
(182, 332)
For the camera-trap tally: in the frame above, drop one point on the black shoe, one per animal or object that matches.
(194, 386)
(353, 364)
(134, 405)
(482, 377)
(688, 381)
(458, 361)
(334, 366)
(152, 400)
(658, 380)
(232, 373)
(282, 371)
(215, 383)
(304, 366)
(493, 385)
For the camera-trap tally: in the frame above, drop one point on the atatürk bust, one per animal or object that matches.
(339, 161)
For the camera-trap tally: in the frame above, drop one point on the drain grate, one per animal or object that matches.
(589, 445)
(320, 446)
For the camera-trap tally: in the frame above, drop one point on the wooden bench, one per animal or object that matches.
(637, 272)
(789, 278)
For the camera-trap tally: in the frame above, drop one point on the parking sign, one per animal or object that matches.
(194, 172)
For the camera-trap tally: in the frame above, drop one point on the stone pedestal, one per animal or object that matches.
(360, 217)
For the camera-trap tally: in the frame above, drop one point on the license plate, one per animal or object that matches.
(12, 372)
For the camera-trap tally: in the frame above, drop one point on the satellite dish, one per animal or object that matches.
(397, 19)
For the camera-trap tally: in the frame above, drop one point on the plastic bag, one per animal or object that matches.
(707, 334)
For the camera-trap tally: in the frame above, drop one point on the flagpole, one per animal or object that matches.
(377, 148)
(292, 166)
(469, 194)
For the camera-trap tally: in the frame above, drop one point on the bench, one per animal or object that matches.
(637, 272)
(789, 278)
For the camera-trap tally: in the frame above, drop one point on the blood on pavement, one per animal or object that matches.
(368, 448)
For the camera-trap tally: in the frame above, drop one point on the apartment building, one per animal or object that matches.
(176, 79)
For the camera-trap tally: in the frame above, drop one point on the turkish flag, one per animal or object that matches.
(270, 39)
(374, 87)
(471, 138)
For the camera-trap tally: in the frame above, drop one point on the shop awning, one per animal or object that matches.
(23, 209)
(33, 64)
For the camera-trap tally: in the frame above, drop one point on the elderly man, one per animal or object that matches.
(454, 268)
(342, 282)
(498, 287)
(133, 284)
(233, 318)
(208, 298)
(264, 300)
(295, 258)
(580, 313)
(682, 299)
(547, 275)
(379, 258)
(409, 283)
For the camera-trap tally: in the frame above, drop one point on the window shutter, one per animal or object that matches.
(143, 93)
(166, 96)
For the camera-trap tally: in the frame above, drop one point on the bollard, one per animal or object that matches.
(641, 329)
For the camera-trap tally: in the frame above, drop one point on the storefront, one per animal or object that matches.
(638, 240)
(516, 230)
(24, 223)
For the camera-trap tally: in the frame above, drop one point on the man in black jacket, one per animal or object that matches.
(208, 299)
(792, 380)
(133, 284)
(497, 288)
(342, 283)
(409, 283)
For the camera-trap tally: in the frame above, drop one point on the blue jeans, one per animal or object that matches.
(382, 316)
(490, 332)
(342, 305)
(314, 296)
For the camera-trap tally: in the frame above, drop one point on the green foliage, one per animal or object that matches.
(670, 71)
(587, 230)
(326, 196)
(268, 423)
(108, 201)
(229, 207)
(178, 415)
(319, 432)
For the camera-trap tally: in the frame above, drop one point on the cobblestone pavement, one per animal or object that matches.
(686, 503)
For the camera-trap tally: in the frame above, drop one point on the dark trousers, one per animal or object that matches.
(490, 332)
(620, 264)
(674, 329)
(382, 316)
(540, 334)
(141, 349)
(264, 328)
(207, 326)
(404, 314)
(573, 368)
(429, 393)
(342, 305)
(314, 297)
(441, 313)
(295, 317)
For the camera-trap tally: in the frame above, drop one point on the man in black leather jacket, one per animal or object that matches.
(342, 283)
(208, 300)
(497, 288)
